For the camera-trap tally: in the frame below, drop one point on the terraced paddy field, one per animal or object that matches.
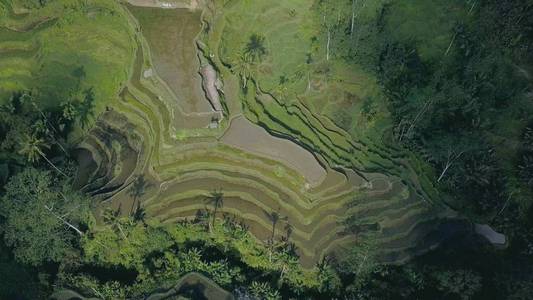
(36, 54)
(276, 150)
(173, 50)
(273, 155)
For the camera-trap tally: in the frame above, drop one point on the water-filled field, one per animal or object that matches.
(171, 35)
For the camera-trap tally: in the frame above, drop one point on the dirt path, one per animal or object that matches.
(250, 137)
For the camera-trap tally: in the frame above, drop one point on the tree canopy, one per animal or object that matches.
(34, 195)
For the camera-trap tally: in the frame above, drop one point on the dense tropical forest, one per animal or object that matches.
(266, 149)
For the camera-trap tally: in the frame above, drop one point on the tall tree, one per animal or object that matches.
(215, 198)
(255, 49)
(274, 217)
(137, 190)
(41, 224)
(244, 68)
(113, 219)
(43, 126)
(32, 147)
(460, 283)
(85, 108)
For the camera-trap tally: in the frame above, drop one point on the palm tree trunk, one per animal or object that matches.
(122, 231)
(361, 265)
(51, 127)
(133, 205)
(283, 270)
(273, 231)
(60, 146)
(353, 18)
(308, 81)
(450, 45)
(214, 218)
(98, 293)
(327, 45)
(64, 221)
(426, 106)
(451, 159)
(272, 239)
(472, 7)
(448, 164)
(51, 164)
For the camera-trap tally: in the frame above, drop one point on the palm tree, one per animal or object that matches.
(86, 108)
(138, 189)
(274, 218)
(288, 230)
(255, 48)
(112, 218)
(525, 169)
(215, 198)
(43, 125)
(139, 214)
(32, 149)
(243, 67)
(282, 90)
(202, 217)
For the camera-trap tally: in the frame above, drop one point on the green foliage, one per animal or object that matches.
(15, 125)
(369, 108)
(451, 83)
(18, 281)
(90, 285)
(453, 80)
(360, 262)
(391, 282)
(261, 290)
(520, 289)
(244, 68)
(330, 282)
(123, 242)
(32, 148)
(161, 254)
(255, 49)
(171, 265)
(463, 283)
(216, 199)
(31, 134)
(343, 119)
(525, 166)
(32, 206)
(82, 44)
(33, 3)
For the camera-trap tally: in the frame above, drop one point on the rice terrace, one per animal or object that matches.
(248, 149)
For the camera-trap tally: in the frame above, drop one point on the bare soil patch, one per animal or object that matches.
(247, 136)
(171, 35)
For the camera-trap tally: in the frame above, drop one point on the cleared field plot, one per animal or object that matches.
(171, 35)
(247, 136)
